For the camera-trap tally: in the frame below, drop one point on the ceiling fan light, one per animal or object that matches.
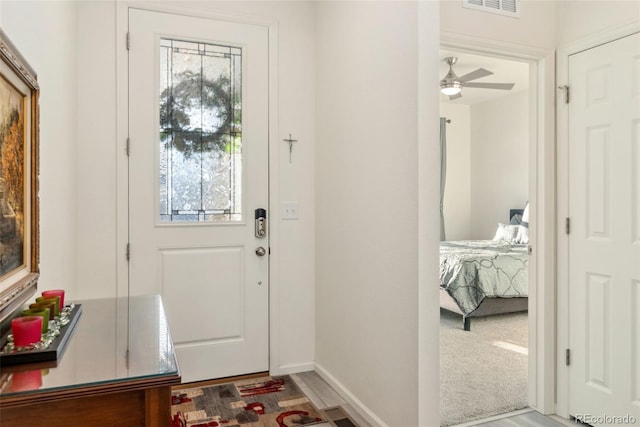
(450, 88)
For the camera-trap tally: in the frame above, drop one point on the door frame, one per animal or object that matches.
(542, 197)
(562, 122)
(122, 160)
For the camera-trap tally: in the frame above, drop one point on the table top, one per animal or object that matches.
(115, 341)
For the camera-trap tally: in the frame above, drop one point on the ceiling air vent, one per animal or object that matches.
(500, 7)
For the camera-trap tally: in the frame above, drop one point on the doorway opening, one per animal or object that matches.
(484, 257)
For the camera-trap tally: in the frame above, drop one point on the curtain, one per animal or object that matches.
(443, 171)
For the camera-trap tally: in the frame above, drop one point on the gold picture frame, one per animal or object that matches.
(19, 157)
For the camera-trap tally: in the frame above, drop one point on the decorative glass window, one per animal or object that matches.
(200, 168)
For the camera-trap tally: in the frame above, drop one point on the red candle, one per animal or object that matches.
(25, 381)
(55, 293)
(26, 330)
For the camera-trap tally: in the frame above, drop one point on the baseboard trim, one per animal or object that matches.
(294, 368)
(344, 392)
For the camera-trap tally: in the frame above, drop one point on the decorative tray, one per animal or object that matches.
(55, 348)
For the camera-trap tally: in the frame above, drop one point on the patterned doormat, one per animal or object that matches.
(260, 402)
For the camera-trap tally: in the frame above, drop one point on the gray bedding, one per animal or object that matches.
(472, 270)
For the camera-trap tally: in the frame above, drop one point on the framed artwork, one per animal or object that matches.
(19, 124)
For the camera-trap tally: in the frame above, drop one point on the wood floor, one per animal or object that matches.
(528, 419)
(323, 396)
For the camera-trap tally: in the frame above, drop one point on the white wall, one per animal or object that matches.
(367, 228)
(457, 195)
(581, 18)
(96, 150)
(487, 164)
(428, 216)
(536, 26)
(45, 33)
(499, 161)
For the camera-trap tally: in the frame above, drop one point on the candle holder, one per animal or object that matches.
(48, 347)
(42, 312)
(48, 305)
(54, 301)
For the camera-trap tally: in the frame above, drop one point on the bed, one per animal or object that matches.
(485, 277)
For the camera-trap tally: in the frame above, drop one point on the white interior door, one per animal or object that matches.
(198, 169)
(604, 242)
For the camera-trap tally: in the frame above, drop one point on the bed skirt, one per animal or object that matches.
(488, 307)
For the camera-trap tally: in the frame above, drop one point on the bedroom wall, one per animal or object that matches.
(457, 199)
(367, 187)
(499, 161)
(45, 33)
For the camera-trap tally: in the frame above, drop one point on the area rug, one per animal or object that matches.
(482, 372)
(274, 401)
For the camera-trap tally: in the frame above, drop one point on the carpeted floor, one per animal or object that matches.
(482, 372)
(261, 402)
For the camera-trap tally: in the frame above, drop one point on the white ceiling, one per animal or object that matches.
(504, 71)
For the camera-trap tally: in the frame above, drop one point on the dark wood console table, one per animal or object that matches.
(116, 370)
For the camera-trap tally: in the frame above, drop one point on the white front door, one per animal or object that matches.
(198, 170)
(604, 241)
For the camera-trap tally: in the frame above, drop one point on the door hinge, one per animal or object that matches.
(567, 225)
(128, 251)
(566, 90)
(126, 149)
(128, 40)
(567, 357)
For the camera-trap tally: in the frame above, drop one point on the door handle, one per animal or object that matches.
(260, 251)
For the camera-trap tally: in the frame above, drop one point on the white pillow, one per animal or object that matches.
(506, 233)
(523, 228)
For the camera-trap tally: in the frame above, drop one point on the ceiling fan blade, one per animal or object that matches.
(480, 72)
(501, 86)
(456, 96)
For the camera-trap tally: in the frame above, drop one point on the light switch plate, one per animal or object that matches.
(290, 210)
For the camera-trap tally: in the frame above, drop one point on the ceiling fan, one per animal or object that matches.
(452, 85)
